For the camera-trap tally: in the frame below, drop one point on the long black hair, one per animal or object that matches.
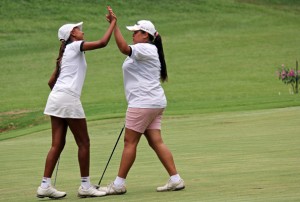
(158, 43)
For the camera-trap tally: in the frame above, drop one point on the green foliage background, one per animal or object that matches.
(221, 55)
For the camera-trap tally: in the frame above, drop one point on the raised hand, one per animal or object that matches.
(111, 15)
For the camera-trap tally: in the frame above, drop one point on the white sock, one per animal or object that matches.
(175, 178)
(46, 182)
(85, 182)
(119, 182)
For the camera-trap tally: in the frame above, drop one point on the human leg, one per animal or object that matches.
(131, 140)
(59, 131)
(165, 156)
(80, 133)
(137, 120)
(155, 141)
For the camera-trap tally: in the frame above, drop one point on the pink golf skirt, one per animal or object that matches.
(141, 119)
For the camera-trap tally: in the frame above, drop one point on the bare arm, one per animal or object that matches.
(53, 78)
(101, 43)
(122, 45)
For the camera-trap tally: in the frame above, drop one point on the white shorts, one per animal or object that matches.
(63, 105)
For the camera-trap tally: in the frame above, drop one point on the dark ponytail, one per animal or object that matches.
(56, 71)
(163, 69)
(60, 54)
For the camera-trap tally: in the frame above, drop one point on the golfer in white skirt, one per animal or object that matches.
(65, 108)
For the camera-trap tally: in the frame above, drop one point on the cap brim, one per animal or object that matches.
(133, 28)
(79, 25)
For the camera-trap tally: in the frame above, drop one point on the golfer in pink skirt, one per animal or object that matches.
(143, 70)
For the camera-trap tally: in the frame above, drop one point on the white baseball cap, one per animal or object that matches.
(144, 25)
(65, 30)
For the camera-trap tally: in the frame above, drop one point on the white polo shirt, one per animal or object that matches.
(141, 72)
(73, 70)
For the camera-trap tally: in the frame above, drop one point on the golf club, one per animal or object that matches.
(110, 156)
(56, 171)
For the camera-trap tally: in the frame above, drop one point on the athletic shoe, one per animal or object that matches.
(50, 192)
(112, 189)
(90, 192)
(172, 186)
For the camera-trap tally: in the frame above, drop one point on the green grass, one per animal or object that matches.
(221, 55)
(232, 126)
(229, 156)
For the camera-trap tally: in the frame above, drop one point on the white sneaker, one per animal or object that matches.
(90, 192)
(172, 186)
(50, 192)
(112, 189)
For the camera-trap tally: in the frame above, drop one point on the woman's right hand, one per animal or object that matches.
(110, 17)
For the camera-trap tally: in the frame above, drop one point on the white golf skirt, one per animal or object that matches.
(63, 105)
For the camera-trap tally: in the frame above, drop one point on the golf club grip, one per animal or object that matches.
(111, 155)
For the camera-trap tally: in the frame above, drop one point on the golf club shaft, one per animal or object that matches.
(56, 171)
(111, 155)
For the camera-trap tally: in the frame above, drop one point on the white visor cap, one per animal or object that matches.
(144, 25)
(64, 31)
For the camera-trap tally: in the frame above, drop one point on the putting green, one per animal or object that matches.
(232, 156)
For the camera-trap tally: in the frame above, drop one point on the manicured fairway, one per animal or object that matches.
(238, 156)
